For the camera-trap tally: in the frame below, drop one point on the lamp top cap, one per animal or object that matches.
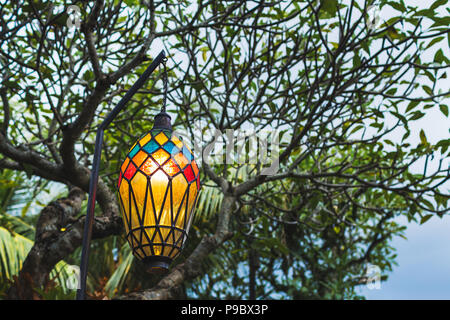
(162, 121)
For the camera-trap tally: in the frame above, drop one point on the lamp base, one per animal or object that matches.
(157, 264)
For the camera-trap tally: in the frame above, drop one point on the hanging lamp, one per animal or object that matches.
(157, 189)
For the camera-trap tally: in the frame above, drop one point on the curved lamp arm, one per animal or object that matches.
(81, 292)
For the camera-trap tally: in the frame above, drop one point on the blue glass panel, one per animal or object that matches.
(170, 147)
(151, 147)
(187, 154)
(134, 151)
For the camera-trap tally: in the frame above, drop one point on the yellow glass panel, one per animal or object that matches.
(139, 158)
(144, 238)
(125, 164)
(177, 142)
(147, 251)
(165, 231)
(160, 156)
(124, 195)
(124, 215)
(192, 194)
(149, 166)
(174, 253)
(166, 250)
(179, 186)
(137, 235)
(139, 187)
(157, 239)
(132, 147)
(150, 232)
(145, 139)
(159, 183)
(157, 249)
(149, 217)
(161, 138)
(178, 235)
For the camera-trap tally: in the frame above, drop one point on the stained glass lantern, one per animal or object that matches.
(158, 186)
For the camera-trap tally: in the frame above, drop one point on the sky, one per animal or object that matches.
(423, 270)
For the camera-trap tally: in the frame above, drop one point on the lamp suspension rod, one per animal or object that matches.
(81, 291)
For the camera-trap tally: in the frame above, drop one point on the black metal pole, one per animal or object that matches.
(81, 292)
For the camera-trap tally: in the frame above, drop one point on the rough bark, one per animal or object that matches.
(58, 233)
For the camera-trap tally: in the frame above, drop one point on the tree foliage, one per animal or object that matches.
(344, 88)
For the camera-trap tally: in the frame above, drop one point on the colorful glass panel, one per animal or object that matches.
(157, 199)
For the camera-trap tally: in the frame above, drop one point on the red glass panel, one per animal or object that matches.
(189, 174)
(130, 171)
(198, 182)
(120, 180)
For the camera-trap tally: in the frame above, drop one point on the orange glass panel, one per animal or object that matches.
(194, 167)
(145, 139)
(181, 160)
(161, 138)
(160, 156)
(139, 158)
(170, 168)
(125, 164)
(149, 166)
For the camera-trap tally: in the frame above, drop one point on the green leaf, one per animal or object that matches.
(417, 115)
(438, 3)
(412, 105)
(330, 6)
(444, 109)
(427, 89)
(439, 56)
(423, 137)
(434, 41)
(425, 218)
